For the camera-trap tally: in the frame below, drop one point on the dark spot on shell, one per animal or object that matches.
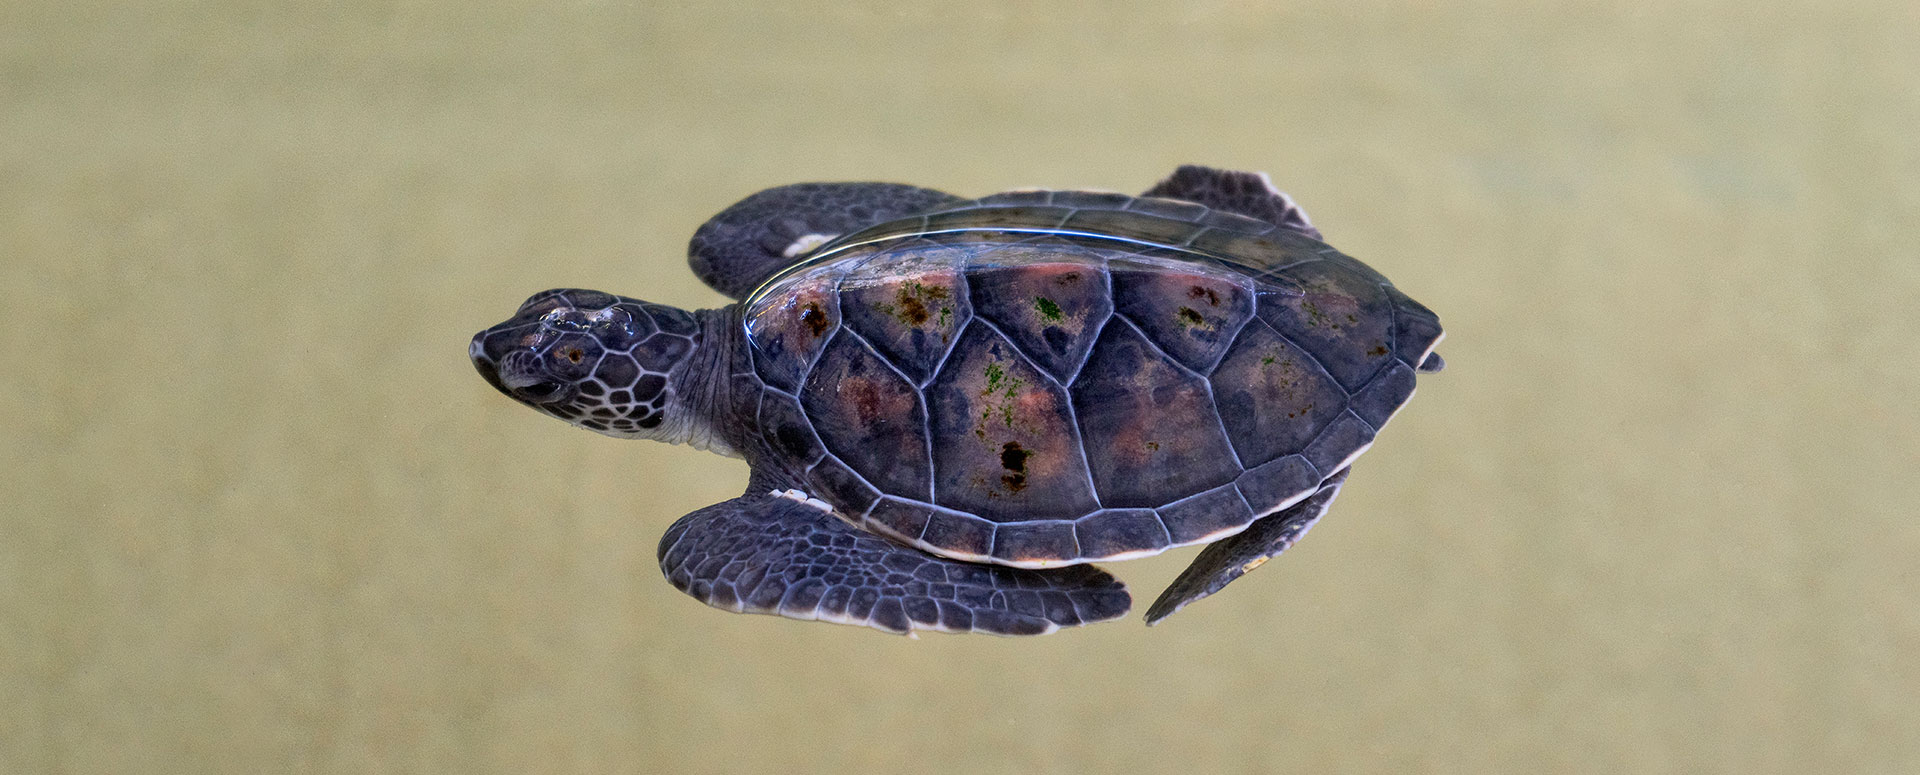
(1190, 317)
(1014, 459)
(573, 354)
(1202, 292)
(1057, 339)
(815, 319)
(1378, 350)
(912, 312)
(1067, 279)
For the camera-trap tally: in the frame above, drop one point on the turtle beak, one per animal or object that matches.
(483, 362)
(522, 374)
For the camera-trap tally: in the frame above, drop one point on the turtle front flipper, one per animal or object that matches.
(745, 244)
(1242, 193)
(1223, 561)
(782, 553)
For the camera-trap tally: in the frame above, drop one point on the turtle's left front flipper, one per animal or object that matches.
(1223, 561)
(775, 554)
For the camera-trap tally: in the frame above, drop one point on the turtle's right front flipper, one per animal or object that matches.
(775, 554)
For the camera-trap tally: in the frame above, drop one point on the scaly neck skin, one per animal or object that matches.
(702, 412)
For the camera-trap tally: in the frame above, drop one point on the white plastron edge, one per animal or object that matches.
(801, 497)
(807, 243)
(1290, 204)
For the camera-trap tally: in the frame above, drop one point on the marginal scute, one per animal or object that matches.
(1006, 447)
(1175, 209)
(1113, 532)
(1265, 487)
(1415, 330)
(847, 491)
(1346, 437)
(1003, 217)
(904, 520)
(959, 535)
(1130, 225)
(1035, 543)
(1273, 397)
(1091, 200)
(1027, 197)
(1211, 513)
(1377, 402)
(1150, 428)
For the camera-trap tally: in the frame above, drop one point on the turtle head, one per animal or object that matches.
(602, 362)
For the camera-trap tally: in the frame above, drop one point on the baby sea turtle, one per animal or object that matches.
(950, 407)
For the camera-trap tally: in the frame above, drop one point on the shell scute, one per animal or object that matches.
(1121, 531)
(1272, 484)
(1035, 543)
(1342, 319)
(787, 431)
(1131, 225)
(1212, 513)
(1273, 397)
(912, 309)
(1049, 297)
(1342, 440)
(1150, 427)
(870, 416)
(959, 535)
(1006, 448)
(1191, 313)
(790, 327)
(1173, 209)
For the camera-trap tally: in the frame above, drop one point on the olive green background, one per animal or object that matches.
(261, 516)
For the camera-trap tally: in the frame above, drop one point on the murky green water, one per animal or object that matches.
(260, 515)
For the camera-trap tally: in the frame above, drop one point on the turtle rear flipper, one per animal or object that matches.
(1242, 193)
(745, 244)
(1223, 561)
(781, 553)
